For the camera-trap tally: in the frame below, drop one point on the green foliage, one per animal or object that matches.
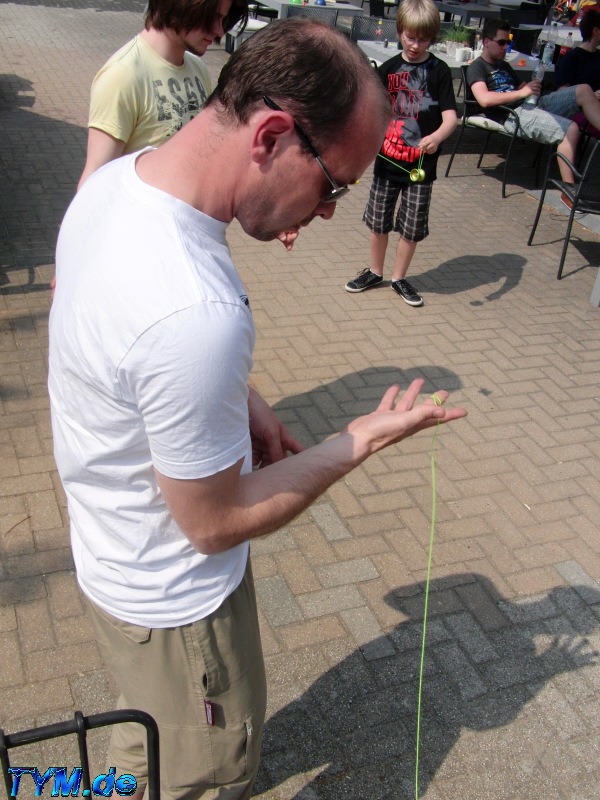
(459, 34)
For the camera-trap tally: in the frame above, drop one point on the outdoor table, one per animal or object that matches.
(562, 31)
(378, 53)
(344, 9)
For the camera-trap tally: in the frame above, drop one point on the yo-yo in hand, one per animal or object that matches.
(417, 175)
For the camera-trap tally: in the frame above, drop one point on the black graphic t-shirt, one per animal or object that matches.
(498, 77)
(579, 66)
(418, 94)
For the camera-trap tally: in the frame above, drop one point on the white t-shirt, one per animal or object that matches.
(151, 341)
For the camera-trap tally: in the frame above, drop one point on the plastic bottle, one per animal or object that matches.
(567, 45)
(538, 75)
(510, 38)
(379, 31)
(548, 54)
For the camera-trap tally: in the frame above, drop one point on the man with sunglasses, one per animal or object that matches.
(494, 83)
(158, 439)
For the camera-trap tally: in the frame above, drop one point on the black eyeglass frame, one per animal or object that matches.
(501, 42)
(337, 191)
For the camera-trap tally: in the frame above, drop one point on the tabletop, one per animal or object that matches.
(379, 53)
(562, 31)
(344, 8)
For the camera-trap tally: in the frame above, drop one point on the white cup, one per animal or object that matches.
(462, 54)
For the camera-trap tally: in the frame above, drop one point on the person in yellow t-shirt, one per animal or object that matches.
(157, 82)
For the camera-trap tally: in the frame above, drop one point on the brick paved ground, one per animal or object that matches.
(512, 673)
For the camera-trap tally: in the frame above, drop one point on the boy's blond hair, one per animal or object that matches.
(421, 17)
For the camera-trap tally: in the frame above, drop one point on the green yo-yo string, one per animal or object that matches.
(438, 402)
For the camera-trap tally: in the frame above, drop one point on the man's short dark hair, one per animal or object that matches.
(492, 26)
(589, 21)
(311, 70)
(185, 15)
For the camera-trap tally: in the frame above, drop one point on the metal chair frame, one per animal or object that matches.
(261, 10)
(79, 727)
(474, 117)
(584, 195)
(364, 28)
(328, 15)
(525, 38)
(525, 14)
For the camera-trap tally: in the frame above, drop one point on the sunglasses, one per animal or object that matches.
(501, 42)
(336, 191)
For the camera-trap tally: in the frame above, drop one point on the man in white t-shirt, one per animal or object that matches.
(156, 432)
(157, 82)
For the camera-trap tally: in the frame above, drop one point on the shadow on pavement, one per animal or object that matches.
(470, 271)
(322, 410)
(486, 659)
(40, 165)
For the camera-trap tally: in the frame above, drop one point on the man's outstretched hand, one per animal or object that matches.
(399, 416)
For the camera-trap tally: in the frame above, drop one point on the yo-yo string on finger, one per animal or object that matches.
(438, 401)
(416, 175)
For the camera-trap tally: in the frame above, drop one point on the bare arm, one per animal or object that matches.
(101, 148)
(489, 99)
(228, 508)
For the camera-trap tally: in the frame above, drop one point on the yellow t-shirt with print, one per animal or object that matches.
(141, 99)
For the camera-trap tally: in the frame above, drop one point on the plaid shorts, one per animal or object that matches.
(549, 120)
(413, 211)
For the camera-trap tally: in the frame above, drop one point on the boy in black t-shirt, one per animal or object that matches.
(422, 96)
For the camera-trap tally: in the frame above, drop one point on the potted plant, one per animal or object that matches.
(457, 36)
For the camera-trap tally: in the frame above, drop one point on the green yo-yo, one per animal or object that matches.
(417, 175)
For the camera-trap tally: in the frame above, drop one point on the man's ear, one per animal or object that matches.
(271, 132)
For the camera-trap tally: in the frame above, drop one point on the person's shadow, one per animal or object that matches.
(353, 731)
(42, 159)
(503, 271)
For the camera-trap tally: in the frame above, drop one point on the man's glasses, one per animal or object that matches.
(501, 42)
(336, 191)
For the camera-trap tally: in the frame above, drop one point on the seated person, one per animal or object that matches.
(494, 83)
(582, 63)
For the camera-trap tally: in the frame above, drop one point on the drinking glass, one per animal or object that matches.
(535, 48)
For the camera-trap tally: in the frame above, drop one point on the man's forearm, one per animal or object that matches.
(269, 498)
(221, 511)
(487, 99)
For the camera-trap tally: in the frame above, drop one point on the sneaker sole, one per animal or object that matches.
(413, 303)
(364, 288)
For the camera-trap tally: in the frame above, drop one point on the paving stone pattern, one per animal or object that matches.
(512, 676)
